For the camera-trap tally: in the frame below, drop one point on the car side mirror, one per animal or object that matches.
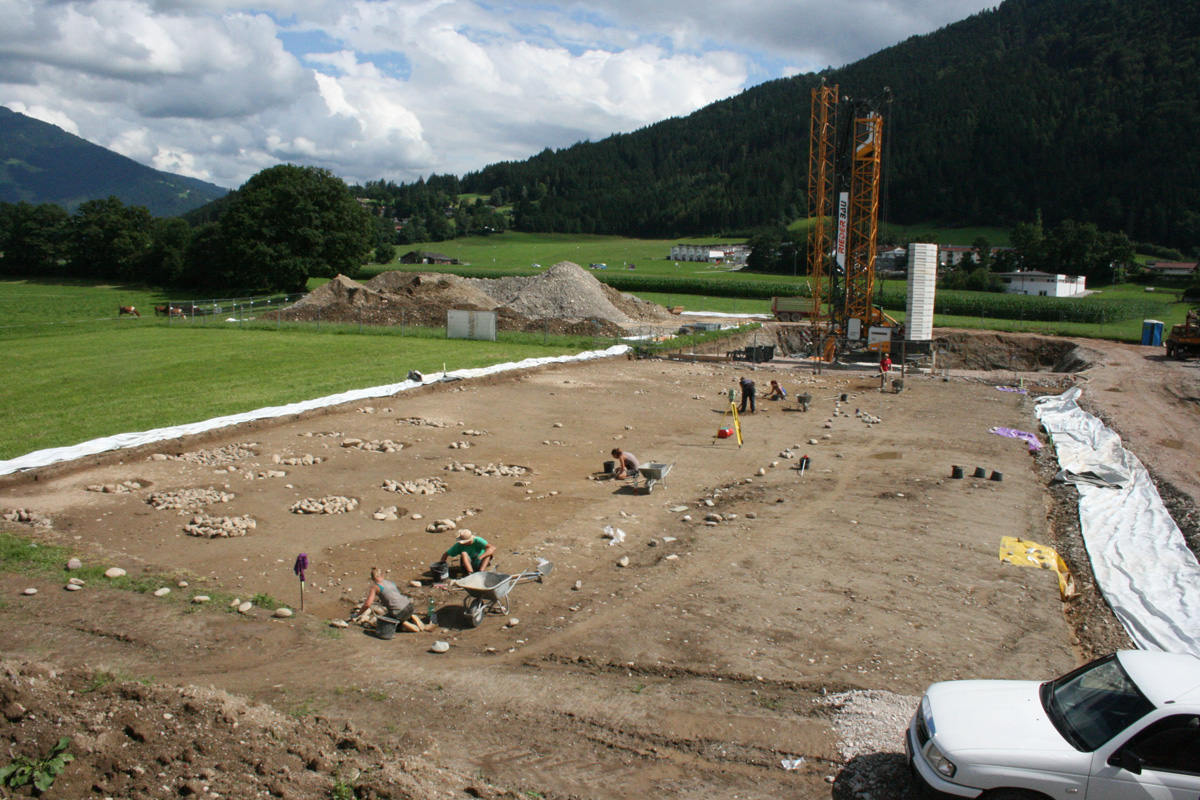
(1127, 760)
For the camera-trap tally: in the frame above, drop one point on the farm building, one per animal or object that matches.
(711, 253)
(420, 257)
(1043, 284)
(1172, 269)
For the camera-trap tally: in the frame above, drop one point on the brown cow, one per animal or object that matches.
(122, 310)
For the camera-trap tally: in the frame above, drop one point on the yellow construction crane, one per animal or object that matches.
(851, 313)
(822, 167)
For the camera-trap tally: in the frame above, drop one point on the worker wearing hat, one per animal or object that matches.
(470, 553)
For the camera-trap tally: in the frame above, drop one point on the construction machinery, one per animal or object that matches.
(1184, 339)
(841, 260)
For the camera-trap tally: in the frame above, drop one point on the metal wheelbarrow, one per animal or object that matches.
(488, 591)
(654, 472)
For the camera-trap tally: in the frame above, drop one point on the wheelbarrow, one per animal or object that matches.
(488, 591)
(804, 400)
(654, 472)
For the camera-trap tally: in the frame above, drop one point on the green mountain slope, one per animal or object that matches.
(41, 163)
(1082, 109)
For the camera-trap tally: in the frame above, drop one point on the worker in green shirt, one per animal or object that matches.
(470, 553)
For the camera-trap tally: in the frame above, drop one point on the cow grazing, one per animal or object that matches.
(168, 311)
(123, 310)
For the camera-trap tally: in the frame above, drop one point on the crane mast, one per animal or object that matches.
(857, 165)
(862, 226)
(821, 171)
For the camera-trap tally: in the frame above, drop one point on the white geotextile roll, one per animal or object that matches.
(1141, 562)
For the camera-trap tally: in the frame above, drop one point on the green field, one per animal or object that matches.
(75, 374)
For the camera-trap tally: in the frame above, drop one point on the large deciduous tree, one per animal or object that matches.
(288, 224)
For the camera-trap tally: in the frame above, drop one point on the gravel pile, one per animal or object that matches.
(209, 527)
(27, 517)
(491, 470)
(325, 505)
(213, 458)
(124, 487)
(374, 445)
(188, 499)
(870, 721)
(419, 486)
(567, 290)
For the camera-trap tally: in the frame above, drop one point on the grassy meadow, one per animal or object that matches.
(77, 374)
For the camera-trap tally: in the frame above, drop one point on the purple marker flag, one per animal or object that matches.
(301, 565)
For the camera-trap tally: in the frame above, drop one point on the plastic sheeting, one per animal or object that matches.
(1141, 561)
(54, 455)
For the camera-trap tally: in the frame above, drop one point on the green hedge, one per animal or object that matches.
(1041, 309)
(713, 287)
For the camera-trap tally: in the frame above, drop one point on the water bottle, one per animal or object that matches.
(432, 612)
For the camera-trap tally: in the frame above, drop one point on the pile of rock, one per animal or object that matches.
(185, 500)
(418, 486)
(209, 527)
(267, 473)
(124, 487)
(428, 423)
(389, 513)
(869, 419)
(441, 526)
(306, 460)
(491, 470)
(374, 445)
(213, 458)
(334, 504)
(27, 517)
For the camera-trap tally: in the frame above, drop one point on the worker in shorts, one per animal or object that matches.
(777, 392)
(469, 553)
(385, 599)
(625, 465)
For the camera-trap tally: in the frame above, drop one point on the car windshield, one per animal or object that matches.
(1094, 703)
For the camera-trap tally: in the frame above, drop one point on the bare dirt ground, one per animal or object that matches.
(694, 670)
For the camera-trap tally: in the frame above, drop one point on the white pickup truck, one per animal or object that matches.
(1122, 727)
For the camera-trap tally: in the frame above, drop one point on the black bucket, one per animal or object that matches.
(845, 397)
(956, 472)
(610, 467)
(385, 627)
(440, 571)
(997, 476)
(980, 472)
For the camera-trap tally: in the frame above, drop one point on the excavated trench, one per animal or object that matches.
(996, 351)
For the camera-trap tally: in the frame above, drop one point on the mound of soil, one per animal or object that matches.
(563, 300)
(568, 290)
(994, 351)
(129, 739)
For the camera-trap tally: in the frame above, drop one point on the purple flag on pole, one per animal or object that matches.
(301, 565)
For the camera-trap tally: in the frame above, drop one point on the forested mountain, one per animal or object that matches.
(1083, 109)
(41, 163)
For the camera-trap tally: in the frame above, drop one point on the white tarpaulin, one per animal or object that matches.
(1141, 561)
(53, 455)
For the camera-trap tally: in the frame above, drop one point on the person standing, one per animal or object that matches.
(747, 385)
(885, 364)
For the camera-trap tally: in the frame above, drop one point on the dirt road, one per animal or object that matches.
(750, 592)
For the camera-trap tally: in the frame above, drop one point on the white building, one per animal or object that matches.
(711, 253)
(1043, 284)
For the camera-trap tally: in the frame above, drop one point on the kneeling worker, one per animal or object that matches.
(625, 464)
(391, 602)
(470, 553)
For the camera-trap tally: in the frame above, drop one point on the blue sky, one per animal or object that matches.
(399, 89)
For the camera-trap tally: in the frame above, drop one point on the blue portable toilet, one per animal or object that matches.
(1152, 332)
